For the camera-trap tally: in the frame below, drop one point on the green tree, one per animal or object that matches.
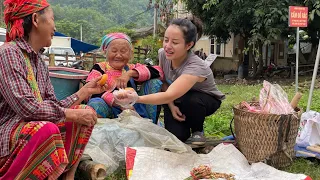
(117, 12)
(270, 23)
(222, 18)
(153, 44)
(258, 22)
(2, 24)
(313, 29)
(128, 32)
(68, 21)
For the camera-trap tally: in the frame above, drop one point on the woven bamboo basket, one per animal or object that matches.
(268, 138)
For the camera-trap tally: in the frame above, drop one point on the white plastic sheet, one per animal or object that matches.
(309, 130)
(110, 137)
(156, 164)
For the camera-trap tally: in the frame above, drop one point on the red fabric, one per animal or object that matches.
(308, 178)
(130, 156)
(144, 73)
(17, 102)
(15, 10)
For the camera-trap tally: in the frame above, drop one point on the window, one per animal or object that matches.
(68, 50)
(281, 51)
(212, 46)
(218, 51)
(215, 47)
(56, 51)
(62, 51)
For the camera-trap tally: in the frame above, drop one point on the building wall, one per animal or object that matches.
(203, 43)
(277, 52)
(229, 47)
(223, 64)
(282, 53)
(226, 49)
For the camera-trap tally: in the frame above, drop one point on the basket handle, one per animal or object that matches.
(280, 133)
(288, 129)
(232, 129)
(281, 144)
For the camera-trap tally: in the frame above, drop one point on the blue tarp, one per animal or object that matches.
(78, 46)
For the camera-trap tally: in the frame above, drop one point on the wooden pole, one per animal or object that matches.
(51, 60)
(94, 61)
(145, 53)
(67, 59)
(138, 52)
(155, 16)
(95, 170)
(295, 100)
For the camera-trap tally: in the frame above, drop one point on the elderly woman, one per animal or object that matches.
(118, 50)
(41, 137)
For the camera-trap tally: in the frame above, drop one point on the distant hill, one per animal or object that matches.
(96, 16)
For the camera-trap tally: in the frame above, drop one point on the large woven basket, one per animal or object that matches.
(268, 138)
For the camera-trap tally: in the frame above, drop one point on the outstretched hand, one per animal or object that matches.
(125, 98)
(93, 87)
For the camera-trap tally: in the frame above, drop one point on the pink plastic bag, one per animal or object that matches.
(249, 107)
(274, 100)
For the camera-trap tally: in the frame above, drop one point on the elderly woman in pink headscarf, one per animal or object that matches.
(145, 79)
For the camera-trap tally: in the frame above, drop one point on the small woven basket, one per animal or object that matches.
(268, 138)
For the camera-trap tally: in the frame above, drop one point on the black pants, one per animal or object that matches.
(195, 106)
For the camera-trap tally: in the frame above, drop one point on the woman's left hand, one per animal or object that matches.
(93, 87)
(125, 98)
(122, 81)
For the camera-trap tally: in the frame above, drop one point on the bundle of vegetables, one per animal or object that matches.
(204, 172)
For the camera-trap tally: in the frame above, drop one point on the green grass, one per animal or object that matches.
(118, 175)
(218, 124)
(304, 166)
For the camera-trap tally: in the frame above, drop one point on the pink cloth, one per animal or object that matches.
(144, 75)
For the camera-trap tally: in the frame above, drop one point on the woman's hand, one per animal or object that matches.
(122, 81)
(177, 89)
(93, 87)
(86, 117)
(176, 113)
(125, 98)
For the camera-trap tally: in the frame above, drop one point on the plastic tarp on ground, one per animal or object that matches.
(155, 164)
(79, 46)
(110, 137)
